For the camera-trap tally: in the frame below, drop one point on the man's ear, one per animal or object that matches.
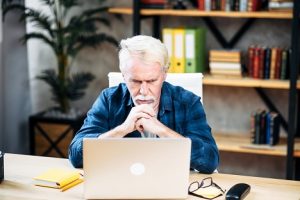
(123, 77)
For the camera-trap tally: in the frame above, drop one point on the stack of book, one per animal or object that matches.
(281, 5)
(153, 4)
(225, 62)
(265, 127)
(230, 5)
(58, 178)
(268, 63)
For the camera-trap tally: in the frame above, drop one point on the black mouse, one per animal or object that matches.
(238, 191)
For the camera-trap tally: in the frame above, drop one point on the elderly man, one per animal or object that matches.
(146, 106)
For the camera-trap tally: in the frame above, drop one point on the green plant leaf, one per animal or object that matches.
(92, 41)
(77, 84)
(66, 33)
(51, 78)
(91, 12)
(40, 36)
(48, 2)
(68, 3)
(41, 20)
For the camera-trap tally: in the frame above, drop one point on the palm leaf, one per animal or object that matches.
(80, 27)
(91, 12)
(51, 78)
(77, 84)
(101, 20)
(86, 23)
(90, 41)
(40, 36)
(41, 20)
(48, 2)
(66, 38)
(68, 3)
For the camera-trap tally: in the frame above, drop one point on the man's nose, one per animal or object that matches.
(144, 89)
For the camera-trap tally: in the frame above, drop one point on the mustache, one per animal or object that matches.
(144, 98)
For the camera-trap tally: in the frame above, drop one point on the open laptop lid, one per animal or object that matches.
(136, 168)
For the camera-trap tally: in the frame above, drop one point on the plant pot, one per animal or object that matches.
(51, 135)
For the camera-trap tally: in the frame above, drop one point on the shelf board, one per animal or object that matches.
(197, 13)
(240, 143)
(247, 82)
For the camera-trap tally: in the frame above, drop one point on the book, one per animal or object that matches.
(262, 136)
(259, 131)
(226, 72)
(262, 62)
(267, 63)
(235, 54)
(284, 63)
(274, 128)
(225, 65)
(278, 63)
(57, 178)
(273, 63)
(201, 5)
(252, 127)
(256, 62)
(250, 60)
(224, 59)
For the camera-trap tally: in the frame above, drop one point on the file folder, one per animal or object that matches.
(168, 40)
(195, 50)
(179, 44)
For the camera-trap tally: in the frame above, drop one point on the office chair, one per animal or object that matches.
(189, 81)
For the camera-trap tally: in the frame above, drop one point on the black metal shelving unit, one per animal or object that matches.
(293, 164)
(292, 125)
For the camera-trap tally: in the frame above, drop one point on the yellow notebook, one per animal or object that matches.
(57, 178)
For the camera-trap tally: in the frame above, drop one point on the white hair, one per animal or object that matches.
(146, 48)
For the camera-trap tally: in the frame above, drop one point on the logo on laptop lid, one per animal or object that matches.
(137, 169)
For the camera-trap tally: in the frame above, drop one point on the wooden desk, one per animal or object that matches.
(19, 170)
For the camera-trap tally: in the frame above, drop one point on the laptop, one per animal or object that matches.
(136, 168)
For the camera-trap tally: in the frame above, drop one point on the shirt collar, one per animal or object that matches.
(165, 99)
(127, 97)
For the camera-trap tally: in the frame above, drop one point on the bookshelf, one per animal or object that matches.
(197, 13)
(240, 143)
(289, 147)
(247, 82)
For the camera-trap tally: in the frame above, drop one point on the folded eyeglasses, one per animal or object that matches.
(206, 189)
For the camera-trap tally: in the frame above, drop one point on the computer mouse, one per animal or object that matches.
(238, 191)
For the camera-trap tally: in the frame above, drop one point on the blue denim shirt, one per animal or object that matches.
(179, 109)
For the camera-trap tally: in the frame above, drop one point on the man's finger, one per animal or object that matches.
(146, 109)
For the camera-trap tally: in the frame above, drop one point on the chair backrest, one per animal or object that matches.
(189, 81)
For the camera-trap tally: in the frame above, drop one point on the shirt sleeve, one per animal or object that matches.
(95, 123)
(205, 154)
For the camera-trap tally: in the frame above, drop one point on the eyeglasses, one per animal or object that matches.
(206, 189)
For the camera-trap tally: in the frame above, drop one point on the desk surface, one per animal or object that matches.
(19, 170)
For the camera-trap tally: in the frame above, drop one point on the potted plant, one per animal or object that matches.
(66, 34)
